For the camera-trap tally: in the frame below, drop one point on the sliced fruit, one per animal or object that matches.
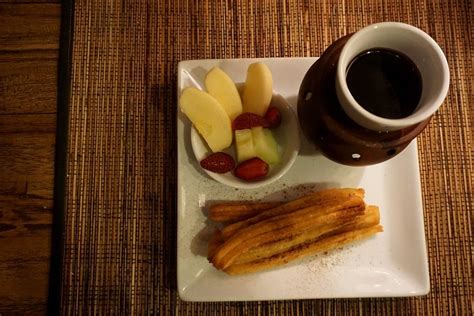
(223, 89)
(265, 145)
(218, 162)
(251, 170)
(208, 116)
(258, 89)
(247, 120)
(244, 145)
(272, 117)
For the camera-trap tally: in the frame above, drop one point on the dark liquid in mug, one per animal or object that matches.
(385, 82)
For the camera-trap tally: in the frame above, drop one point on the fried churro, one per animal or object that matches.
(273, 233)
(304, 250)
(369, 218)
(315, 198)
(300, 219)
(233, 212)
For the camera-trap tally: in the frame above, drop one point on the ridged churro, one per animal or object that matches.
(369, 218)
(233, 212)
(279, 232)
(300, 219)
(304, 250)
(315, 198)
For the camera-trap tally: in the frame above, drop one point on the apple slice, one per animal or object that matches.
(208, 116)
(258, 89)
(223, 89)
(244, 145)
(265, 145)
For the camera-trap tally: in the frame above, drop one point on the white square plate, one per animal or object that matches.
(393, 263)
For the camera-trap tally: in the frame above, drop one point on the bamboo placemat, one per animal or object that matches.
(119, 253)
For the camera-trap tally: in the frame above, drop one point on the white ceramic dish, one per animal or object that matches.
(394, 263)
(287, 136)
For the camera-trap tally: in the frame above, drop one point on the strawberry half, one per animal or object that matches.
(218, 162)
(247, 120)
(273, 117)
(252, 169)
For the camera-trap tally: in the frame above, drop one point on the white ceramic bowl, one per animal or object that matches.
(420, 48)
(286, 135)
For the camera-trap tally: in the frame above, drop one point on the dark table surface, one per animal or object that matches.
(29, 43)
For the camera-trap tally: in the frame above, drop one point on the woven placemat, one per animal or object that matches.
(119, 251)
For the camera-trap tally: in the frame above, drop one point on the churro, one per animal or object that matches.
(369, 218)
(270, 234)
(233, 212)
(315, 198)
(304, 250)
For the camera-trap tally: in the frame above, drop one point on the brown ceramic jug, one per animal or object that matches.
(331, 126)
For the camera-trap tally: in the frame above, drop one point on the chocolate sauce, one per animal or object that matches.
(385, 82)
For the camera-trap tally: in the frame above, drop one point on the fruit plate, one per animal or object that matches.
(393, 263)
